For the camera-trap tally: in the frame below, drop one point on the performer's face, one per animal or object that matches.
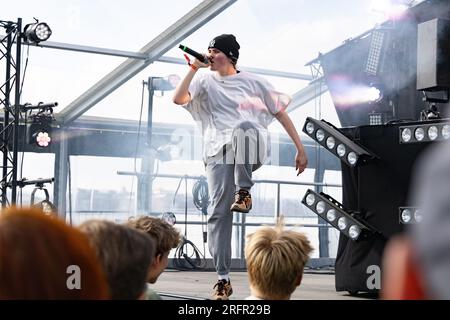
(218, 59)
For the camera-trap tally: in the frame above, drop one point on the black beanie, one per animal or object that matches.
(227, 44)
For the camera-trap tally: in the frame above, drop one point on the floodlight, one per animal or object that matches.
(337, 143)
(335, 214)
(40, 132)
(424, 132)
(37, 32)
(409, 215)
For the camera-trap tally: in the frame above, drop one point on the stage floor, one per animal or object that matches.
(197, 284)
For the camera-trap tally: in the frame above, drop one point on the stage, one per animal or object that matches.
(316, 285)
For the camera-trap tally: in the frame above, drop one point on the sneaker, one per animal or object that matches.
(222, 290)
(242, 201)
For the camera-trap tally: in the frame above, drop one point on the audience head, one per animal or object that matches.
(126, 255)
(166, 237)
(275, 261)
(43, 258)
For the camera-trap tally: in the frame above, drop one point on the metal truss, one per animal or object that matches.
(10, 91)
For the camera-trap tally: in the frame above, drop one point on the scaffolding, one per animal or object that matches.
(10, 91)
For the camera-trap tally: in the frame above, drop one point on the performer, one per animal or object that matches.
(233, 109)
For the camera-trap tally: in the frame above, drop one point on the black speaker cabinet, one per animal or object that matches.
(433, 52)
(374, 191)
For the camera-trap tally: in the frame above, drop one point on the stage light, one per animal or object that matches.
(165, 84)
(410, 215)
(446, 131)
(354, 232)
(45, 205)
(424, 132)
(376, 118)
(375, 50)
(335, 142)
(349, 93)
(331, 142)
(374, 94)
(419, 134)
(37, 32)
(40, 132)
(334, 213)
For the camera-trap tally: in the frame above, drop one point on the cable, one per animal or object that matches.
(196, 260)
(24, 71)
(200, 194)
(183, 261)
(201, 202)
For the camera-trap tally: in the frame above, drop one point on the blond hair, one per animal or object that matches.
(276, 259)
(165, 235)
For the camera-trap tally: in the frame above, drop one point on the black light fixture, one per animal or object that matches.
(46, 206)
(334, 141)
(335, 214)
(40, 130)
(424, 132)
(37, 32)
(409, 215)
(40, 127)
(40, 134)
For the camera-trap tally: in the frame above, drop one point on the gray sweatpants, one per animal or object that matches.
(227, 172)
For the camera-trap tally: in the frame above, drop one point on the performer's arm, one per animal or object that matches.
(301, 161)
(181, 95)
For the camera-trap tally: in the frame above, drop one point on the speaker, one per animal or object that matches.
(374, 192)
(433, 51)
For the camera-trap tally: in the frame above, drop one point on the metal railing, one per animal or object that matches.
(240, 222)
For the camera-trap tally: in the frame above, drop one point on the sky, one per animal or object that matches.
(274, 34)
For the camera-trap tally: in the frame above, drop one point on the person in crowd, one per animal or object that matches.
(166, 238)
(41, 257)
(126, 255)
(275, 260)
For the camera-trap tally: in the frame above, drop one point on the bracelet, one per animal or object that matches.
(195, 68)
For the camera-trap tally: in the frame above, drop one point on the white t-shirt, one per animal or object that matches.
(219, 103)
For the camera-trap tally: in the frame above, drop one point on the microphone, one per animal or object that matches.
(195, 54)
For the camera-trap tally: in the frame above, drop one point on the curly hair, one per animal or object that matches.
(165, 235)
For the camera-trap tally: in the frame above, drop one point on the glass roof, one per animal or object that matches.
(278, 35)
